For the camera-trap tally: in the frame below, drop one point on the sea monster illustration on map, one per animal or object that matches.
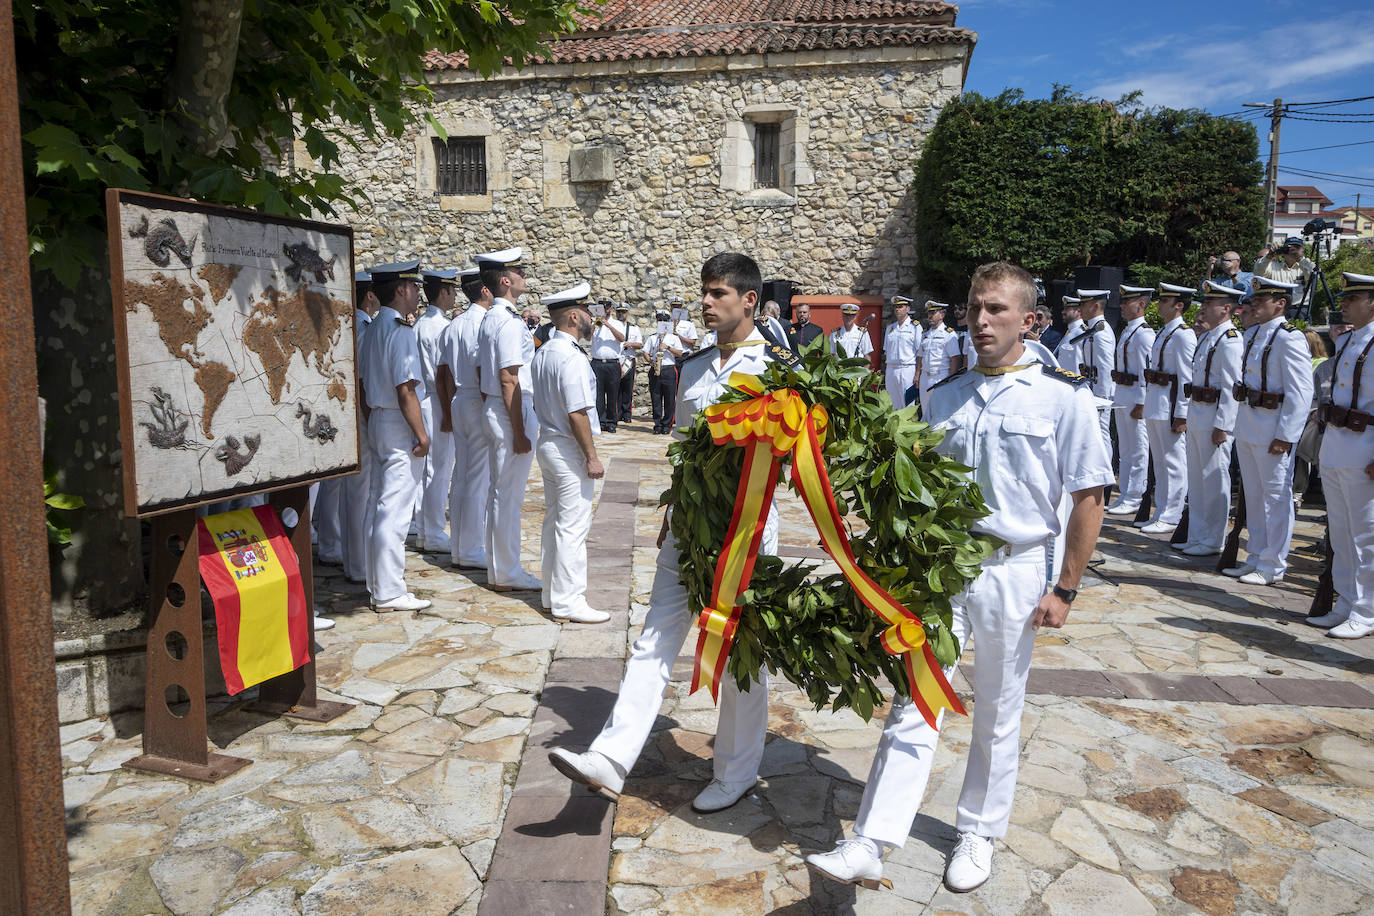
(162, 241)
(235, 457)
(306, 259)
(321, 429)
(170, 429)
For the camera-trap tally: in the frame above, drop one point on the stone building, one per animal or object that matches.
(669, 130)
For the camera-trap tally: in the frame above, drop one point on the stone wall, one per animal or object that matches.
(631, 174)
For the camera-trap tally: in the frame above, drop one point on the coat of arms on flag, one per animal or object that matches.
(254, 577)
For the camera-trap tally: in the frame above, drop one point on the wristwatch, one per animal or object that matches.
(1065, 595)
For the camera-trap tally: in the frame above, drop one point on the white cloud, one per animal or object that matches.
(1281, 60)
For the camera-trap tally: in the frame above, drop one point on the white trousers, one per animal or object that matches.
(996, 611)
(1133, 447)
(743, 725)
(434, 481)
(898, 380)
(1170, 454)
(1104, 422)
(427, 419)
(1209, 486)
(1350, 509)
(567, 520)
(328, 515)
(395, 475)
(356, 499)
(506, 493)
(1268, 481)
(471, 478)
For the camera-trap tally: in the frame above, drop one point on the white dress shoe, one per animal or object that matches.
(1351, 630)
(1200, 550)
(521, 581)
(435, 545)
(323, 623)
(1255, 577)
(970, 863)
(595, 771)
(853, 861)
(583, 614)
(719, 795)
(1181, 548)
(1335, 618)
(1157, 528)
(1123, 509)
(406, 602)
(1235, 572)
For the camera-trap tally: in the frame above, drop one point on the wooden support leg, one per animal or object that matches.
(293, 694)
(174, 741)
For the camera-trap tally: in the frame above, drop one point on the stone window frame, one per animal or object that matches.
(737, 155)
(498, 176)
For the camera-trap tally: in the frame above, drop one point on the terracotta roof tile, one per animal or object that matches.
(645, 29)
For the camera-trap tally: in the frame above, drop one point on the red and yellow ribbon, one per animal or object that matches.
(770, 426)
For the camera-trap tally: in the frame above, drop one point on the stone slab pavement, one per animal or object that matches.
(1189, 745)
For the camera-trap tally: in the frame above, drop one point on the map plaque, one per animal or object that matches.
(234, 333)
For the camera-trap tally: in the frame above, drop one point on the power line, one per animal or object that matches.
(1363, 98)
(1366, 120)
(1313, 149)
(1339, 174)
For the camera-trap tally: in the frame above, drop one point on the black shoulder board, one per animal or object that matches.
(783, 355)
(948, 378)
(1231, 332)
(1064, 375)
(400, 320)
(691, 356)
(1288, 326)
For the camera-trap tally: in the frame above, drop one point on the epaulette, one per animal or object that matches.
(1087, 332)
(1289, 326)
(691, 356)
(1231, 332)
(1064, 375)
(783, 355)
(948, 378)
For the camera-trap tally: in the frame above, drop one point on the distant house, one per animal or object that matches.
(1357, 223)
(1298, 204)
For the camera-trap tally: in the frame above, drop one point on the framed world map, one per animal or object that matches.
(234, 332)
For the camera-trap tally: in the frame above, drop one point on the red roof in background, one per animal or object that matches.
(643, 29)
(1304, 191)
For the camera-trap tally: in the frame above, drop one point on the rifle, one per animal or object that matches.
(1232, 548)
(1180, 535)
(1325, 597)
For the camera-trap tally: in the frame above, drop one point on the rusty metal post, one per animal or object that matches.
(33, 839)
(293, 694)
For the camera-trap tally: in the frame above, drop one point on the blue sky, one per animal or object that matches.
(1200, 55)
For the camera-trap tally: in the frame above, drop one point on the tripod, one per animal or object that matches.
(1306, 310)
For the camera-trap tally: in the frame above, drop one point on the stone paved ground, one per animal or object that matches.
(1176, 758)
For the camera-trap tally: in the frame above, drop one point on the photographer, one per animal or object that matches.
(1230, 274)
(1287, 265)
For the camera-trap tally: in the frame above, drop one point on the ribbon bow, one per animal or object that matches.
(770, 426)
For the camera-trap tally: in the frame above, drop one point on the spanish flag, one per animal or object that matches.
(254, 578)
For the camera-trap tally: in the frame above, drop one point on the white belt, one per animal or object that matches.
(1008, 552)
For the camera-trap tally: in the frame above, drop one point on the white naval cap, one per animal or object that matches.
(1214, 290)
(566, 298)
(1174, 291)
(1356, 283)
(849, 308)
(1263, 285)
(1130, 292)
(469, 272)
(505, 259)
(1071, 300)
(1085, 294)
(931, 304)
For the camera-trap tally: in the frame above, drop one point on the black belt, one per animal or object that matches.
(596, 360)
(1357, 421)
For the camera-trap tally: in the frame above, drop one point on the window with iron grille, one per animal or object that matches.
(460, 165)
(767, 167)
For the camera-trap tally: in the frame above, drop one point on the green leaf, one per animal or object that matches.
(65, 501)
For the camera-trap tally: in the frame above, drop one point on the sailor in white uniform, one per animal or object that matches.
(932, 367)
(505, 347)
(1031, 435)
(1132, 351)
(357, 489)
(471, 475)
(901, 341)
(1211, 419)
(1066, 353)
(565, 399)
(1347, 463)
(1168, 374)
(1094, 346)
(1275, 391)
(850, 340)
(441, 292)
(391, 361)
(730, 288)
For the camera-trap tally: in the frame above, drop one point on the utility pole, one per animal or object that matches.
(1271, 178)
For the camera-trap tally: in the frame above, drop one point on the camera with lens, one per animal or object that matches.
(1319, 225)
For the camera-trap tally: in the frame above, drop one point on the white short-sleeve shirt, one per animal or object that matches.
(901, 343)
(504, 341)
(392, 358)
(854, 342)
(563, 383)
(458, 347)
(604, 343)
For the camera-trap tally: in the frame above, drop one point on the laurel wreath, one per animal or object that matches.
(916, 508)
